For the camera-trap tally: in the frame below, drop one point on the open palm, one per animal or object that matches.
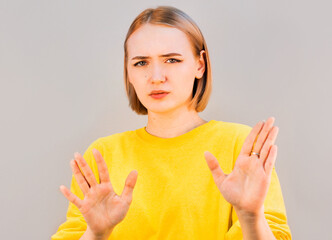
(101, 207)
(247, 185)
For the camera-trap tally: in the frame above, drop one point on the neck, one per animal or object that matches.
(169, 125)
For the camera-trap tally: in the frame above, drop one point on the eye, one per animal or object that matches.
(173, 60)
(140, 63)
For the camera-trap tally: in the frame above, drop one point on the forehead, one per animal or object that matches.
(153, 39)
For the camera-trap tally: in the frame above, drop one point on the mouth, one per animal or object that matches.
(158, 94)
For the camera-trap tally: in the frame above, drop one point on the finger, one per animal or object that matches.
(249, 142)
(263, 135)
(102, 167)
(127, 193)
(217, 173)
(80, 179)
(71, 197)
(269, 142)
(85, 169)
(270, 161)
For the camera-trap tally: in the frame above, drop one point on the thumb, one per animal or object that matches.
(127, 192)
(217, 173)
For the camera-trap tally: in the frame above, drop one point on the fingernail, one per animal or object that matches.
(76, 154)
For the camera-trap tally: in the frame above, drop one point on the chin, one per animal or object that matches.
(159, 110)
(165, 106)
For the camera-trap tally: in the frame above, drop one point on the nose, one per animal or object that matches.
(157, 74)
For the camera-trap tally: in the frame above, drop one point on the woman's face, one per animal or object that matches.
(161, 58)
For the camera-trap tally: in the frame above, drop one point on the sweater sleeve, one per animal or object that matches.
(274, 207)
(75, 225)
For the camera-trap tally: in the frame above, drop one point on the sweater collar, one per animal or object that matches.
(159, 142)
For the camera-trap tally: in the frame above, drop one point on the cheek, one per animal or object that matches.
(135, 77)
(183, 84)
(138, 80)
(187, 75)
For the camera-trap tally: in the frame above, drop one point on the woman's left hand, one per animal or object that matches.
(247, 185)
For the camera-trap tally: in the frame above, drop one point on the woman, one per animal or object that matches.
(175, 187)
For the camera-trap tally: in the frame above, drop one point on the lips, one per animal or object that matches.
(155, 92)
(158, 94)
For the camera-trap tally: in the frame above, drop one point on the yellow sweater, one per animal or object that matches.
(175, 196)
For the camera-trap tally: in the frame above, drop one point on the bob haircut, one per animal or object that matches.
(172, 17)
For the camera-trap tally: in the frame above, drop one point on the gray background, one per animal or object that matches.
(61, 71)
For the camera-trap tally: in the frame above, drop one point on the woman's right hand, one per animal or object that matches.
(101, 207)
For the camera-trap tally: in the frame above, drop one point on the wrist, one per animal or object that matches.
(250, 216)
(89, 234)
(254, 225)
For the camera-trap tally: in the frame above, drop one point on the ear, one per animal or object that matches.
(201, 65)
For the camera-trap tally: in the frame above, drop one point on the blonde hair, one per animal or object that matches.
(173, 17)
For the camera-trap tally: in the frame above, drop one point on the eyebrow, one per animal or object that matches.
(164, 55)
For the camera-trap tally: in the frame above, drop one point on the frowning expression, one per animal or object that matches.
(162, 67)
